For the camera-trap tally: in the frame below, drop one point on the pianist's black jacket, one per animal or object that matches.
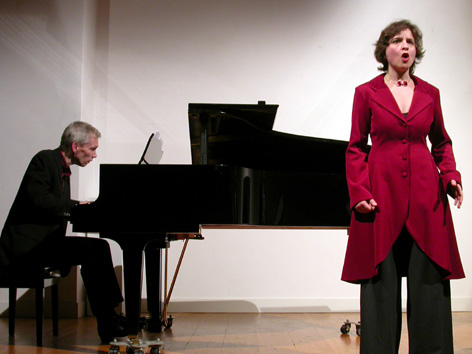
(40, 209)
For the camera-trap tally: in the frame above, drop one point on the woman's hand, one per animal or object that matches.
(455, 190)
(366, 206)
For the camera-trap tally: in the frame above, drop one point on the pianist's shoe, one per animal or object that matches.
(121, 319)
(110, 327)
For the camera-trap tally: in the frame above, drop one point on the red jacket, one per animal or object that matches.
(405, 178)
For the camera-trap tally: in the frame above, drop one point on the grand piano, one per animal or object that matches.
(243, 174)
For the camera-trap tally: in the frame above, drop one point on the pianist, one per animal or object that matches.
(33, 236)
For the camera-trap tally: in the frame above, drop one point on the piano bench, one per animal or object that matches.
(38, 282)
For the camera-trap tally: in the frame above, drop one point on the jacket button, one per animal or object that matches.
(404, 158)
(404, 174)
(404, 141)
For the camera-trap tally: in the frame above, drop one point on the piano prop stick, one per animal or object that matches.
(186, 237)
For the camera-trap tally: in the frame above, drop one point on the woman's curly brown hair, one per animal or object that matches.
(391, 31)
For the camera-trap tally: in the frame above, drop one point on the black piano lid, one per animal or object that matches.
(261, 115)
(242, 135)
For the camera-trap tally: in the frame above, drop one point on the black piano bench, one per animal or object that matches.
(38, 282)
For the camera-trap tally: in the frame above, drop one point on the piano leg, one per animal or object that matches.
(132, 270)
(153, 254)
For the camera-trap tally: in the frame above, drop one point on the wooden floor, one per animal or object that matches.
(220, 334)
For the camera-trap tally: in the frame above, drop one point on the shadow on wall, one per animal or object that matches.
(213, 306)
(239, 306)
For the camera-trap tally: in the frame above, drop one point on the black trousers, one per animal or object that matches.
(96, 267)
(428, 305)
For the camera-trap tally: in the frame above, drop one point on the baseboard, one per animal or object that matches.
(282, 305)
(77, 309)
(266, 306)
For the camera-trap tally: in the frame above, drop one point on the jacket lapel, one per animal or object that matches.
(421, 100)
(384, 98)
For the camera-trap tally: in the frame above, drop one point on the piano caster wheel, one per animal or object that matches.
(135, 349)
(169, 322)
(136, 346)
(155, 350)
(114, 349)
(155, 346)
(346, 327)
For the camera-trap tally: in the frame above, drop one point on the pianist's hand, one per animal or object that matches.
(366, 206)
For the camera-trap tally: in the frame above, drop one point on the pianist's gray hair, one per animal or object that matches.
(77, 132)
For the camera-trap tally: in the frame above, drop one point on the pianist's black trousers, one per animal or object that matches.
(428, 305)
(96, 267)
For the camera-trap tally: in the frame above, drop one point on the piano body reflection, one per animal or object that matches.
(242, 174)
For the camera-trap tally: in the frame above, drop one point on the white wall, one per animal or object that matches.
(40, 93)
(146, 60)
